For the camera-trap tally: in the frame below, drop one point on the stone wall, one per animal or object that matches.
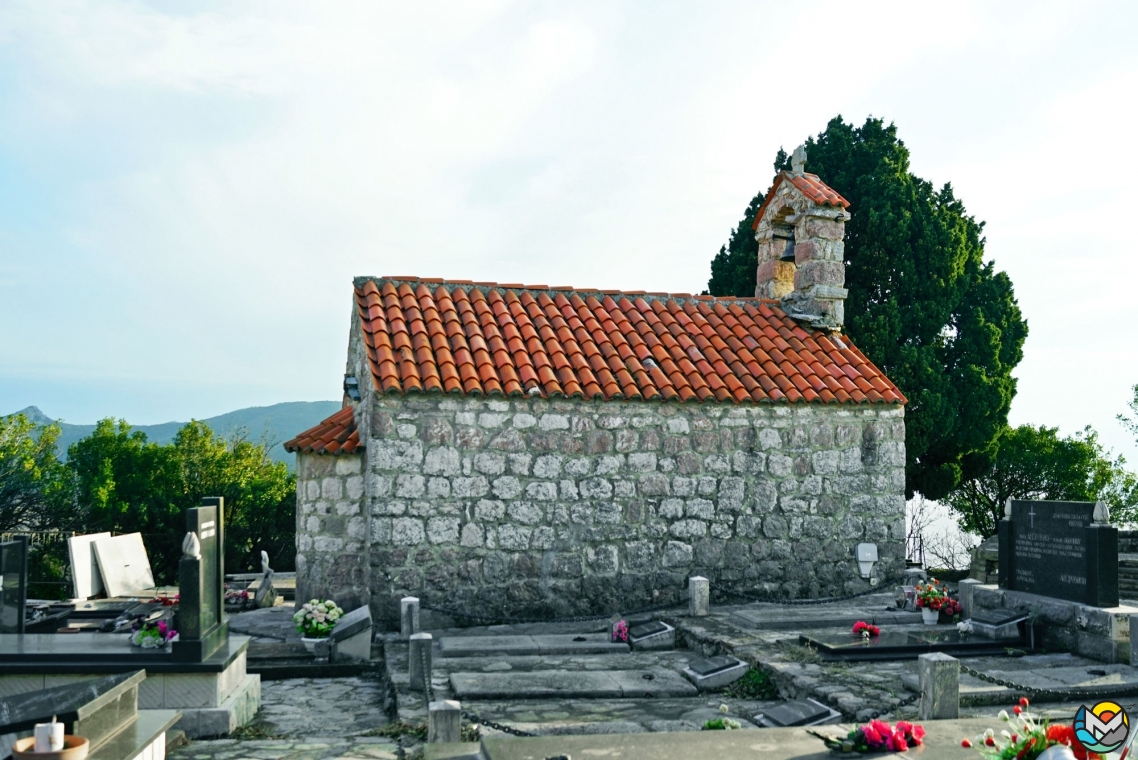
(535, 507)
(331, 529)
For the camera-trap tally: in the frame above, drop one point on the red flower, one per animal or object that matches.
(1017, 709)
(898, 743)
(990, 741)
(917, 734)
(1023, 702)
(872, 737)
(966, 744)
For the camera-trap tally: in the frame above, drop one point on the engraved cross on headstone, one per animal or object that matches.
(1031, 514)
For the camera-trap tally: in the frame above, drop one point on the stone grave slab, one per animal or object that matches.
(351, 636)
(653, 634)
(562, 684)
(941, 741)
(521, 646)
(565, 684)
(124, 565)
(85, 577)
(802, 712)
(715, 672)
(903, 645)
(578, 643)
(662, 683)
(487, 646)
(879, 609)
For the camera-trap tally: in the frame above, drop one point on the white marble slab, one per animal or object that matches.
(84, 567)
(124, 565)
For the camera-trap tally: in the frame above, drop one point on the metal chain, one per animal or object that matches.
(473, 718)
(820, 600)
(903, 703)
(1058, 695)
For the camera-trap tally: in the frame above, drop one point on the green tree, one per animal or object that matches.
(1036, 463)
(35, 488)
(1131, 423)
(923, 304)
(129, 484)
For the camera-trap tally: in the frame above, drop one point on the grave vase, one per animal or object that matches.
(929, 615)
(310, 643)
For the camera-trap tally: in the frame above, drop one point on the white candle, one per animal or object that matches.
(49, 737)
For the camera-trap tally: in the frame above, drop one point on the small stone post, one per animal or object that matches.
(444, 722)
(699, 596)
(940, 686)
(419, 656)
(616, 618)
(408, 617)
(967, 586)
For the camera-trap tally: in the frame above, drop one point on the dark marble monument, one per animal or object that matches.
(13, 584)
(1062, 549)
(202, 628)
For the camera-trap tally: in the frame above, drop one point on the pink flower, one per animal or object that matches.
(898, 743)
(872, 737)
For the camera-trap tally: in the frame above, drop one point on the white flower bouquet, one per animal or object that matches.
(316, 619)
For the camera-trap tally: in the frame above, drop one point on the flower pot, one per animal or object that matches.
(74, 748)
(929, 615)
(310, 644)
(946, 617)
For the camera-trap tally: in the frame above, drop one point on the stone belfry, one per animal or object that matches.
(800, 230)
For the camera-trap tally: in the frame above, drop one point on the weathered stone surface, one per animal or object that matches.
(610, 504)
(940, 686)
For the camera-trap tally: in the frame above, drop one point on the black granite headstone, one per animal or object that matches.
(1054, 548)
(712, 665)
(996, 617)
(798, 713)
(201, 586)
(646, 629)
(13, 584)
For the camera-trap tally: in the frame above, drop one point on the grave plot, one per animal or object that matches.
(906, 644)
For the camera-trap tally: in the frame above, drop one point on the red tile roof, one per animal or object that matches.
(435, 336)
(335, 435)
(812, 187)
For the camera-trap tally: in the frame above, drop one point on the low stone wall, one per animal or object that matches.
(1095, 632)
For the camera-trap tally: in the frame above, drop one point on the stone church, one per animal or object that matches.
(529, 450)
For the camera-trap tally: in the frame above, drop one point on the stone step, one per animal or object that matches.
(572, 684)
(520, 646)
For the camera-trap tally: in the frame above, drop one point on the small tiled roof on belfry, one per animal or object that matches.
(486, 339)
(335, 435)
(813, 188)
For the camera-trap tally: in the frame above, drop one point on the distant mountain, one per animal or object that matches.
(274, 424)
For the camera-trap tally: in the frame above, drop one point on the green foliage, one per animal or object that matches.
(1131, 423)
(923, 304)
(35, 488)
(1036, 463)
(755, 684)
(721, 724)
(128, 484)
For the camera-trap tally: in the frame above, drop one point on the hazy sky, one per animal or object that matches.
(187, 190)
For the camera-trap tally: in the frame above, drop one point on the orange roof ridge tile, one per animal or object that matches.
(432, 335)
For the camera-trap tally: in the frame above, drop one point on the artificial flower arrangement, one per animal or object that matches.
(233, 596)
(722, 724)
(316, 619)
(151, 635)
(620, 631)
(165, 600)
(877, 736)
(1027, 738)
(865, 630)
(950, 607)
(931, 595)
